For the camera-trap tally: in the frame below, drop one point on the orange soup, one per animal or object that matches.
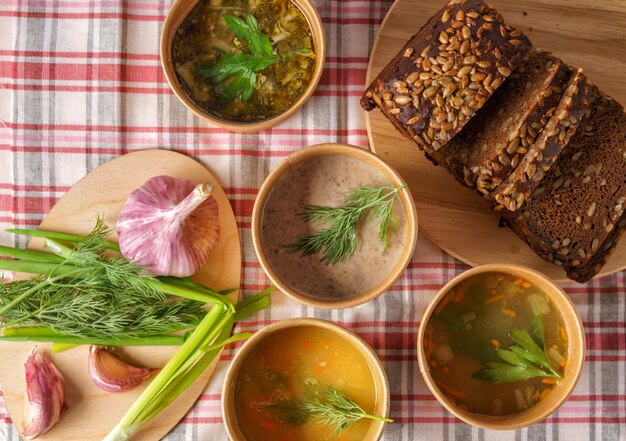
(300, 365)
(496, 345)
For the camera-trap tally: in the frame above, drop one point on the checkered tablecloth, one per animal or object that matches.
(81, 83)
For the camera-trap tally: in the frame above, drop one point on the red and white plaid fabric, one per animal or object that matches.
(80, 83)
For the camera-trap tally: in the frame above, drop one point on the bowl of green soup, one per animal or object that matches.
(501, 346)
(308, 380)
(245, 65)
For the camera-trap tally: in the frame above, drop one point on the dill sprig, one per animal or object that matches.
(96, 310)
(93, 295)
(340, 240)
(337, 411)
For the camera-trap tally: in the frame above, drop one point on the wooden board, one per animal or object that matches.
(587, 34)
(92, 412)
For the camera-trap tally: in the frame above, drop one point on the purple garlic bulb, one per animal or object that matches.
(169, 225)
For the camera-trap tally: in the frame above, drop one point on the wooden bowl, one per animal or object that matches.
(181, 8)
(575, 358)
(410, 216)
(378, 372)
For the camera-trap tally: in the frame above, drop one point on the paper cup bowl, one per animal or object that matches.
(179, 11)
(575, 358)
(285, 326)
(410, 216)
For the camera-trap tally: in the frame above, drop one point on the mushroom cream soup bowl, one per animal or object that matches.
(320, 175)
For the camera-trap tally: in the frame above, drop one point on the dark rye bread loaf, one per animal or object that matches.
(543, 153)
(485, 152)
(446, 72)
(576, 216)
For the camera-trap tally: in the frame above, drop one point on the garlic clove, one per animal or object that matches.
(169, 225)
(6, 276)
(111, 374)
(45, 396)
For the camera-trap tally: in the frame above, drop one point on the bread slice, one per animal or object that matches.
(489, 149)
(576, 216)
(542, 154)
(446, 72)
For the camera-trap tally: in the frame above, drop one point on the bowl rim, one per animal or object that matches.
(576, 346)
(379, 375)
(330, 149)
(180, 9)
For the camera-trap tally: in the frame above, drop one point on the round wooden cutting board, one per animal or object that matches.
(590, 35)
(92, 413)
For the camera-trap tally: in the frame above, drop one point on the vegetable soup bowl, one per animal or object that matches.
(181, 9)
(321, 175)
(535, 407)
(284, 360)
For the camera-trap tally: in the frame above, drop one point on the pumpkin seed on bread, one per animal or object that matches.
(543, 153)
(576, 216)
(446, 72)
(485, 152)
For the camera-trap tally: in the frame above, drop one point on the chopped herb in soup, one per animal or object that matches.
(244, 60)
(294, 379)
(339, 240)
(496, 345)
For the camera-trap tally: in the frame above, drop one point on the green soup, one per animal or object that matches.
(204, 36)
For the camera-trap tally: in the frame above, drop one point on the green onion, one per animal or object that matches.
(58, 236)
(35, 256)
(157, 340)
(194, 356)
(160, 389)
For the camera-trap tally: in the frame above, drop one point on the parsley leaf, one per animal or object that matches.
(236, 73)
(529, 350)
(500, 373)
(250, 31)
(231, 64)
(242, 68)
(242, 84)
(524, 361)
(511, 357)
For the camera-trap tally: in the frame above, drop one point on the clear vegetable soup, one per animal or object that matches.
(285, 379)
(244, 60)
(496, 345)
